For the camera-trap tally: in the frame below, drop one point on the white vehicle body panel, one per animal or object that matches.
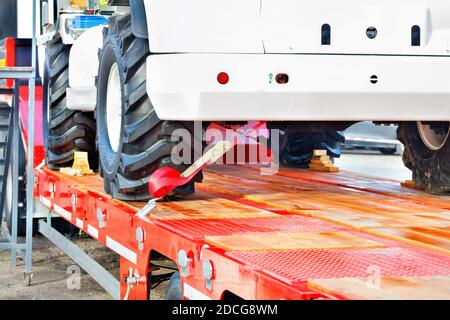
(253, 39)
(293, 26)
(83, 69)
(321, 87)
(204, 26)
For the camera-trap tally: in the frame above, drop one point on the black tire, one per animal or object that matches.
(65, 131)
(296, 148)
(430, 169)
(388, 151)
(174, 290)
(145, 141)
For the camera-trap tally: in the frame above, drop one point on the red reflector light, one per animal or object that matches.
(223, 78)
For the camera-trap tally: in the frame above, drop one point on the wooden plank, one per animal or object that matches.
(428, 238)
(360, 210)
(202, 206)
(365, 183)
(352, 208)
(291, 241)
(197, 206)
(390, 288)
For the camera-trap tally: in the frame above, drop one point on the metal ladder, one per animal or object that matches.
(22, 73)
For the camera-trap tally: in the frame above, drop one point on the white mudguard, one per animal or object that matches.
(83, 69)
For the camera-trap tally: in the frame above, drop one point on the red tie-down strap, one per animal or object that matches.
(166, 179)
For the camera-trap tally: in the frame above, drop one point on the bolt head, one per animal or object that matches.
(73, 200)
(183, 259)
(140, 238)
(207, 270)
(99, 214)
(139, 234)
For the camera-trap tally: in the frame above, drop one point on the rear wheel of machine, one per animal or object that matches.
(427, 154)
(132, 141)
(65, 130)
(296, 148)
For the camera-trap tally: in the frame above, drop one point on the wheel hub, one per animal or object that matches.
(114, 108)
(434, 135)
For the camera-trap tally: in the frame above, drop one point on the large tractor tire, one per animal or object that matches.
(132, 141)
(296, 148)
(65, 130)
(427, 154)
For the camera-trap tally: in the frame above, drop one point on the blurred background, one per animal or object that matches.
(374, 150)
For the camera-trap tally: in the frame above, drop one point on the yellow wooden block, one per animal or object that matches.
(323, 168)
(409, 184)
(290, 241)
(333, 169)
(80, 165)
(81, 162)
(318, 168)
(318, 161)
(71, 171)
(319, 152)
(321, 158)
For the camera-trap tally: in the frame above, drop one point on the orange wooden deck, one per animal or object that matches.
(323, 229)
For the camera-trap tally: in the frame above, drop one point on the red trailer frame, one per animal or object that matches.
(188, 232)
(248, 235)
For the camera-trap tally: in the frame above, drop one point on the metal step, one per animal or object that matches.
(5, 110)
